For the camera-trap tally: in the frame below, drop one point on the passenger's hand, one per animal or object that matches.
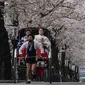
(21, 55)
(42, 40)
(46, 58)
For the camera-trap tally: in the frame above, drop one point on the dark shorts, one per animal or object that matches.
(31, 60)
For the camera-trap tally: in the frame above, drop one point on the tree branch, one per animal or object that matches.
(54, 7)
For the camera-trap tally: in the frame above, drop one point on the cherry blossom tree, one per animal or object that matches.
(63, 18)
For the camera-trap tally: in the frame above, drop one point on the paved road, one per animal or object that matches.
(43, 83)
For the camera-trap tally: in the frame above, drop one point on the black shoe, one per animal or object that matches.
(28, 82)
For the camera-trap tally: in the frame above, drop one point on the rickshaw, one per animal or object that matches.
(19, 67)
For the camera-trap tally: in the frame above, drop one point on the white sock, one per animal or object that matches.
(28, 80)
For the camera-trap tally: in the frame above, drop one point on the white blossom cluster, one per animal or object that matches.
(65, 19)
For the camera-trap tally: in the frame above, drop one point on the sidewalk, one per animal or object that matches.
(45, 83)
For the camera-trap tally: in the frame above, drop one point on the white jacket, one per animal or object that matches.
(46, 41)
(39, 38)
(36, 46)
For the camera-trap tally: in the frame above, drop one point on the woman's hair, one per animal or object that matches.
(27, 30)
(31, 35)
(41, 28)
